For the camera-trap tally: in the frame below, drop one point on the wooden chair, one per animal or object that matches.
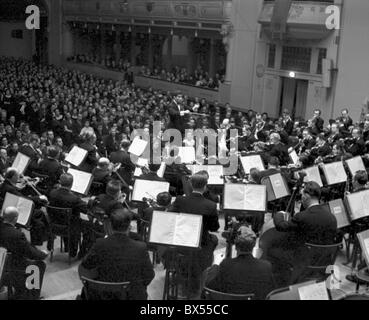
(60, 225)
(319, 257)
(287, 293)
(144, 233)
(210, 294)
(98, 290)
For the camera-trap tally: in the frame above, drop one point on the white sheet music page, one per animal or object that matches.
(250, 162)
(81, 180)
(76, 156)
(359, 204)
(316, 291)
(161, 170)
(21, 162)
(255, 197)
(162, 227)
(187, 154)
(294, 157)
(24, 206)
(234, 198)
(215, 172)
(187, 231)
(137, 147)
(313, 174)
(3, 253)
(355, 164)
(335, 173)
(148, 189)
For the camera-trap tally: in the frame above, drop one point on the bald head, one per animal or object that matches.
(10, 215)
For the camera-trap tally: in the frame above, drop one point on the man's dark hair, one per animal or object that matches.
(312, 188)
(113, 187)
(255, 175)
(52, 152)
(198, 181)
(120, 219)
(164, 199)
(154, 167)
(361, 177)
(274, 161)
(66, 180)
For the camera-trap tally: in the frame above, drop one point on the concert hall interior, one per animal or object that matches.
(184, 150)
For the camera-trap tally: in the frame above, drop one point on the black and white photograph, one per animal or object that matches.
(184, 156)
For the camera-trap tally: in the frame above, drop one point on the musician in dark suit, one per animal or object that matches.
(23, 254)
(102, 173)
(277, 149)
(356, 145)
(109, 201)
(111, 141)
(346, 120)
(195, 203)
(63, 197)
(39, 225)
(317, 122)
(334, 134)
(122, 156)
(287, 122)
(315, 224)
(31, 150)
(51, 166)
(120, 259)
(91, 159)
(163, 202)
(151, 174)
(177, 113)
(244, 274)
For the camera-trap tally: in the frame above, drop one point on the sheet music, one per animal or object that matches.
(335, 173)
(279, 187)
(148, 189)
(337, 208)
(250, 197)
(358, 204)
(137, 147)
(364, 244)
(21, 162)
(187, 230)
(316, 291)
(24, 206)
(76, 156)
(294, 157)
(138, 172)
(161, 170)
(250, 162)
(215, 172)
(313, 174)
(142, 162)
(187, 154)
(178, 229)
(81, 181)
(355, 164)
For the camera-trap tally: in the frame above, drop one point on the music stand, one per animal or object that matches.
(252, 161)
(216, 173)
(338, 209)
(148, 189)
(334, 173)
(277, 187)
(25, 208)
(76, 156)
(313, 174)
(355, 164)
(21, 162)
(357, 205)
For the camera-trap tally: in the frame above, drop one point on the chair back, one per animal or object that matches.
(3, 259)
(98, 290)
(288, 293)
(216, 295)
(59, 219)
(319, 258)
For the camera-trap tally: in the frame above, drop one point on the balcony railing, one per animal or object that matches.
(154, 13)
(305, 19)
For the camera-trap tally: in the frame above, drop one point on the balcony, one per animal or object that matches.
(304, 20)
(200, 14)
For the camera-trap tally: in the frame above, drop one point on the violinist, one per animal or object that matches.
(307, 141)
(31, 150)
(356, 145)
(287, 122)
(39, 225)
(321, 149)
(277, 149)
(163, 203)
(334, 134)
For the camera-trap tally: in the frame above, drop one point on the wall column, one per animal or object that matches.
(133, 48)
(170, 52)
(212, 58)
(230, 59)
(102, 46)
(150, 53)
(190, 56)
(118, 46)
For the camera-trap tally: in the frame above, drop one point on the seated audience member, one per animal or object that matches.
(195, 203)
(244, 274)
(90, 162)
(118, 258)
(22, 255)
(315, 224)
(63, 197)
(51, 166)
(102, 172)
(255, 176)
